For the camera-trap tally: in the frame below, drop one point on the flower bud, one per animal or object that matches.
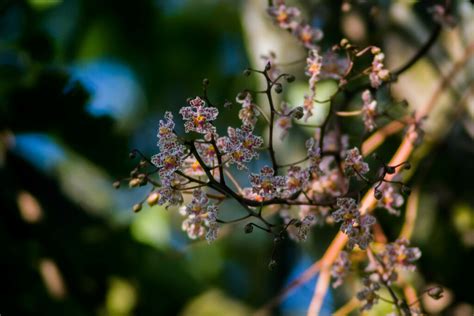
(375, 50)
(132, 155)
(137, 207)
(406, 190)
(116, 184)
(436, 292)
(135, 182)
(390, 170)
(142, 163)
(247, 72)
(278, 88)
(407, 166)
(344, 42)
(242, 95)
(153, 198)
(378, 194)
(248, 228)
(297, 113)
(205, 82)
(290, 78)
(272, 265)
(268, 66)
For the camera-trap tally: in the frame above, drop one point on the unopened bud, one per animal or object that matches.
(248, 228)
(242, 95)
(132, 155)
(142, 163)
(135, 182)
(153, 198)
(290, 78)
(247, 72)
(116, 184)
(205, 82)
(268, 66)
(137, 207)
(390, 170)
(407, 166)
(344, 42)
(375, 50)
(406, 190)
(378, 194)
(272, 265)
(297, 113)
(278, 88)
(436, 292)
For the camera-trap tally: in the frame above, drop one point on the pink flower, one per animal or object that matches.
(354, 162)
(369, 293)
(270, 59)
(308, 35)
(284, 16)
(314, 64)
(201, 217)
(249, 112)
(240, 146)
(340, 268)
(169, 159)
(266, 184)
(398, 255)
(296, 180)
(314, 155)
(198, 117)
(390, 200)
(284, 121)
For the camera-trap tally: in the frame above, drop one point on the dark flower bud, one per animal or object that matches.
(436, 292)
(268, 66)
(290, 78)
(142, 163)
(247, 72)
(278, 88)
(297, 113)
(227, 104)
(272, 265)
(390, 170)
(242, 95)
(132, 155)
(205, 82)
(377, 194)
(248, 228)
(116, 184)
(407, 166)
(276, 240)
(406, 190)
(137, 207)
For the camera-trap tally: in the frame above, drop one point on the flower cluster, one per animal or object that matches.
(317, 188)
(354, 225)
(201, 217)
